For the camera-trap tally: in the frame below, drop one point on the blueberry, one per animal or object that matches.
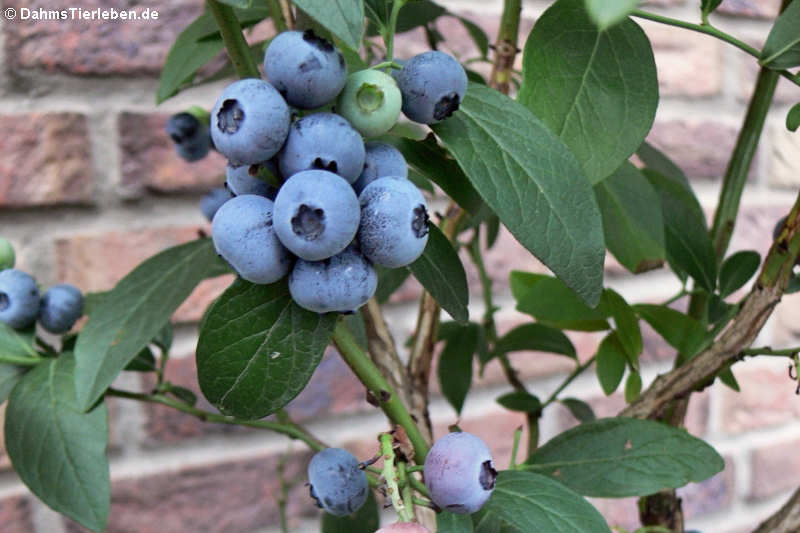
(212, 201)
(337, 483)
(244, 236)
(316, 214)
(307, 69)
(404, 527)
(191, 137)
(243, 180)
(60, 308)
(7, 255)
(19, 298)
(433, 85)
(370, 101)
(249, 122)
(323, 141)
(340, 283)
(459, 473)
(382, 160)
(394, 222)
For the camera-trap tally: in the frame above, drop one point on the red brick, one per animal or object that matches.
(15, 515)
(775, 468)
(98, 262)
(620, 512)
(700, 148)
(764, 9)
(767, 399)
(45, 159)
(231, 497)
(710, 496)
(97, 47)
(689, 64)
(149, 159)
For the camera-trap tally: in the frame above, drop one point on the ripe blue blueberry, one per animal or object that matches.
(249, 122)
(307, 69)
(459, 473)
(316, 214)
(370, 101)
(244, 235)
(433, 85)
(60, 308)
(323, 141)
(382, 160)
(7, 255)
(337, 483)
(191, 137)
(19, 298)
(241, 180)
(211, 202)
(394, 222)
(340, 283)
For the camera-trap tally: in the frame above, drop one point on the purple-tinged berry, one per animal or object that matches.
(337, 482)
(19, 298)
(60, 308)
(433, 85)
(382, 160)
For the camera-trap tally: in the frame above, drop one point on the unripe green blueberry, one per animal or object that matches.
(7, 257)
(371, 102)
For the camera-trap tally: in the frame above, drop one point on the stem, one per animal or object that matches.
(505, 47)
(283, 495)
(277, 16)
(407, 492)
(371, 377)
(388, 37)
(290, 429)
(514, 447)
(390, 476)
(419, 486)
(766, 350)
(235, 44)
(21, 360)
(569, 379)
(714, 32)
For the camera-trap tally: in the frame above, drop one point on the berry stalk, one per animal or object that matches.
(235, 44)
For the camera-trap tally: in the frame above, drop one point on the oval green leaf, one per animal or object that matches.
(257, 349)
(610, 363)
(532, 182)
(441, 273)
(57, 449)
(605, 13)
(793, 118)
(365, 520)
(782, 49)
(537, 338)
(596, 89)
(622, 457)
(455, 363)
(737, 270)
(343, 18)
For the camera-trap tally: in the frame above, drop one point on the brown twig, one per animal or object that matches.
(505, 48)
(382, 349)
(785, 520)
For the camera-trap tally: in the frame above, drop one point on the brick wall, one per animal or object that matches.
(90, 186)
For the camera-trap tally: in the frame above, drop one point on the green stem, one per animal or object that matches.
(235, 44)
(290, 429)
(388, 37)
(569, 379)
(370, 376)
(277, 16)
(21, 360)
(391, 478)
(766, 350)
(406, 490)
(505, 48)
(514, 447)
(419, 486)
(714, 32)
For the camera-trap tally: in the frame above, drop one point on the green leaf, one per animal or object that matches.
(633, 386)
(551, 302)
(686, 234)
(440, 271)
(365, 520)
(597, 89)
(681, 331)
(655, 159)
(605, 13)
(581, 410)
(237, 3)
(622, 457)
(17, 343)
(343, 18)
(524, 502)
(782, 49)
(452, 523)
(537, 338)
(726, 377)
(9, 377)
(477, 34)
(58, 450)
(610, 363)
(133, 312)
(183, 394)
(433, 162)
(520, 401)
(529, 178)
(632, 223)
(708, 6)
(629, 334)
(144, 361)
(793, 118)
(455, 364)
(355, 322)
(737, 270)
(389, 280)
(257, 349)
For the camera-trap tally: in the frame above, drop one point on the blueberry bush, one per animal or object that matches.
(334, 152)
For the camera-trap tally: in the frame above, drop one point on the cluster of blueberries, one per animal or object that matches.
(458, 473)
(305, 195)
(21, 305)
